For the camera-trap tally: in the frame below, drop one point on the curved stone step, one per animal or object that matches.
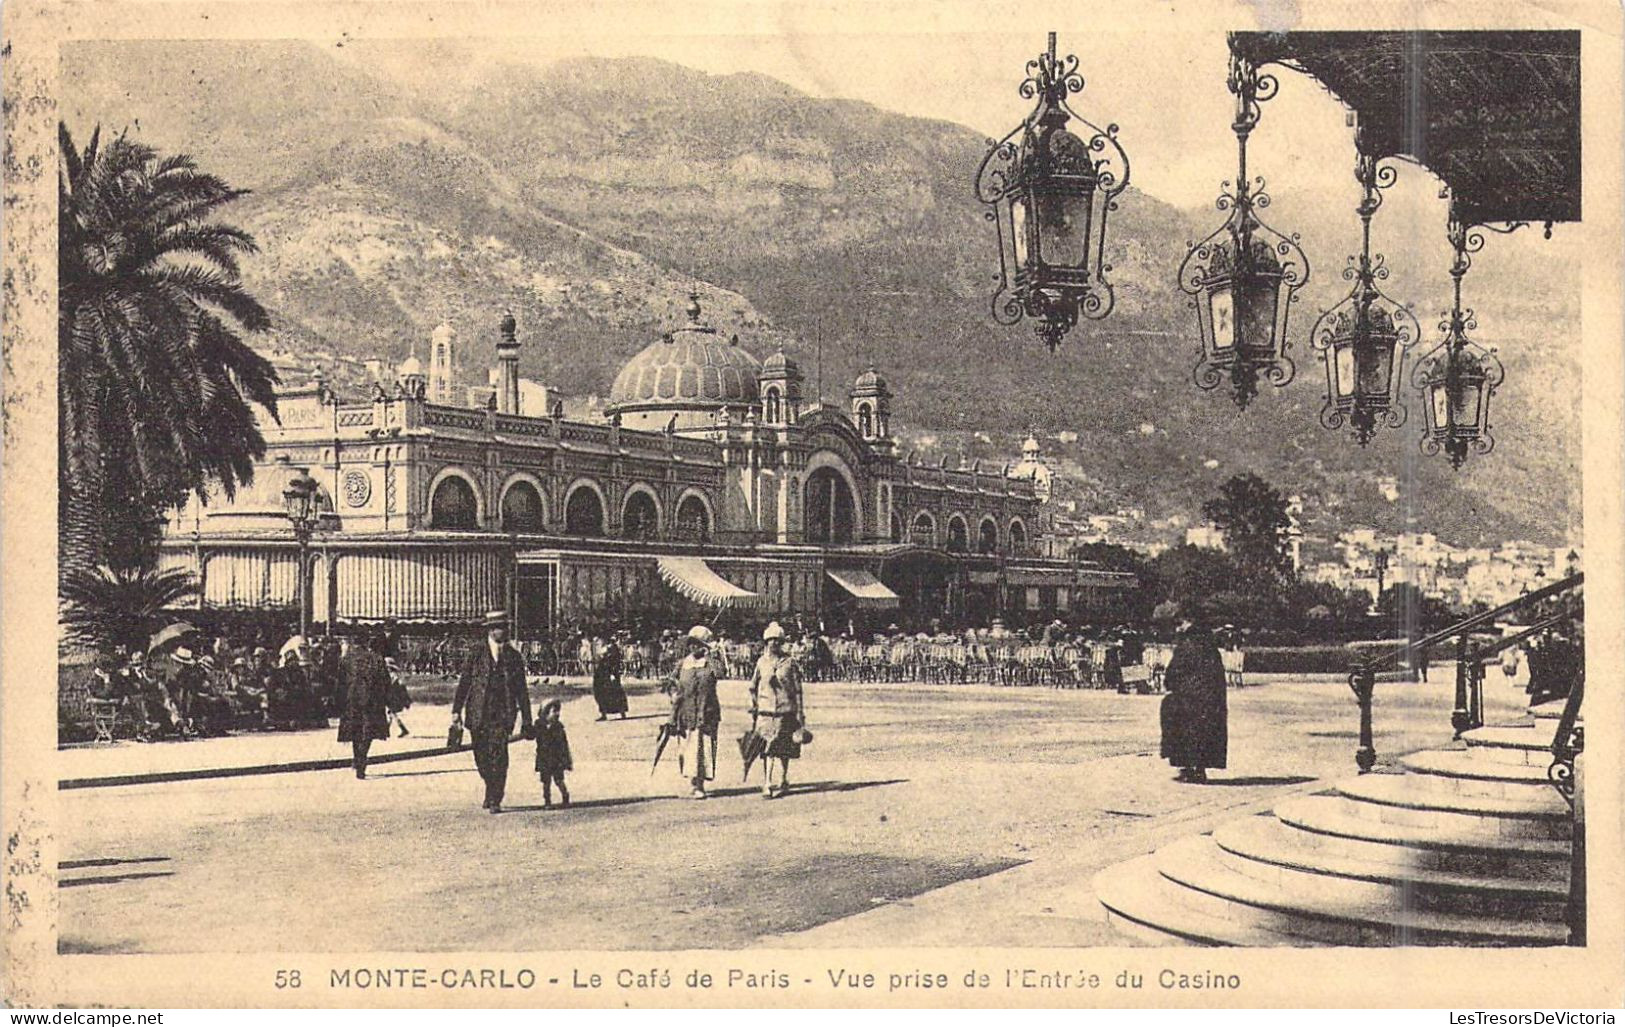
(1528, 746)
(1395, 799)
(1269, 851)
(1460, 763)
(1221, 892)
(1332, 827)
(1550, 710)
(1143, 904)
(1455, 770)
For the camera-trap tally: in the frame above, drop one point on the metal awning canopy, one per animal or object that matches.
(869, 591)
(694, 578)
(1496, 115)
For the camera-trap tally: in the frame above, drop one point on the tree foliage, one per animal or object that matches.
(1257, 528)
(108, 607)
(154, 382)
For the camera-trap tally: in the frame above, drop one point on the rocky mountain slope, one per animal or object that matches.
(591, 195)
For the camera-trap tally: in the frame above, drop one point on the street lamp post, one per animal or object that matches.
(301, 499)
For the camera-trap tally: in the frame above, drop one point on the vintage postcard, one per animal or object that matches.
(801, 505)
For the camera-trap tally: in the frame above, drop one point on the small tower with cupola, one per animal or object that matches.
(871, 408)
(780, 385)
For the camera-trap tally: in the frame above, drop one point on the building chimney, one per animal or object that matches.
(508, 366)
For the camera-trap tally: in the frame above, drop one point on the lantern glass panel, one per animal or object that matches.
(1063, 226)
(1018, 224)
(1345, 368)
(1465, 405)
(1376, 367)
(1440, 406)
(1255, 313)
(1224, 319)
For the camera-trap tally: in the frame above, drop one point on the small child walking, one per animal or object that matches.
(552, 752)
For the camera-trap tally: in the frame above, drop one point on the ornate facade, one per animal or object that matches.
(711, 482)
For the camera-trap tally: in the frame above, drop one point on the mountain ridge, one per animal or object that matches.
(385, 204)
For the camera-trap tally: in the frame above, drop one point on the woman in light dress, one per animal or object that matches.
(776, 704)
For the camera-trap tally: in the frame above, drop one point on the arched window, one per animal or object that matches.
(830, 512)
(583, 513)
(866, 421)
(958, 540)
(522, 509)
(693, 521)
(988, 538)
(640, 518)
(896, 528)
(1018, 538)
(925, 531)
(772, 406)
(453, 505)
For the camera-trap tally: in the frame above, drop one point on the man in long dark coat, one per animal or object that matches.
(363, 682)
(489, 694)
(1195, 718)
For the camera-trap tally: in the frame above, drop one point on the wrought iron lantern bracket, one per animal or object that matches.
(1364, 339)
(1243, 278)
(1051, 185)
(1458, 377)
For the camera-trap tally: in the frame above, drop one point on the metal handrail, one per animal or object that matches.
(1467, 624)
(1488, 650)
(1363, 678)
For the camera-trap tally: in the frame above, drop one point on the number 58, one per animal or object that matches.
(287, 978)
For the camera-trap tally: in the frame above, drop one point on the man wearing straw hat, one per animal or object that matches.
(489, 694)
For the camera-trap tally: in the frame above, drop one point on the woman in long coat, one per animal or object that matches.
(606, 682)
(1195, 718)
(776, 702)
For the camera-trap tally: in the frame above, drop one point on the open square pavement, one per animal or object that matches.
(919, 816)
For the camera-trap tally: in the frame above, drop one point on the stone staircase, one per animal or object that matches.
(1467, 846)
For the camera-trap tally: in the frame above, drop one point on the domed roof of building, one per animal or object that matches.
(780, 365)
(410, 367)
(694, 365)
(869, 381)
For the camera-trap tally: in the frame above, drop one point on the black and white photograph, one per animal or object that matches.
(780, 481)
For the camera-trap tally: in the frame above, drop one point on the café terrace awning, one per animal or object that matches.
(1496, 115)
(868, 590)
(694, 578)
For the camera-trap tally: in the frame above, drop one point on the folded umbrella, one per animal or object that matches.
(662, 736)
(752, 747)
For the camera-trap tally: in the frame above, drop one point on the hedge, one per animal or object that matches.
(1312, 659)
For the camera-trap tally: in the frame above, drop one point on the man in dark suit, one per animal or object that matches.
(491, 691)
(363, 682)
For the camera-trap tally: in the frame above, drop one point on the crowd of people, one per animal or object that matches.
(197, 686)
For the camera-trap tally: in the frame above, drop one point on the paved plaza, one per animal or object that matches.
(920, 816)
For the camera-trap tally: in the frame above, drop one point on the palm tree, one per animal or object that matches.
(154, 380)
(107, 607)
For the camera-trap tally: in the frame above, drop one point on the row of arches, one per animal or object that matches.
(922, 531)
(455, 505)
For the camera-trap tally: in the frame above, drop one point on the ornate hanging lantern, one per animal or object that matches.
(1242, 277)
(1052, 183)
(1458, 377)
(1363, 340)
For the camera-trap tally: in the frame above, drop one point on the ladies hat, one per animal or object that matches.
(700, 633)
(773, 631)
(183, 655)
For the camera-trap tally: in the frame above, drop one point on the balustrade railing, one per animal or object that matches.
(1469, 706)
